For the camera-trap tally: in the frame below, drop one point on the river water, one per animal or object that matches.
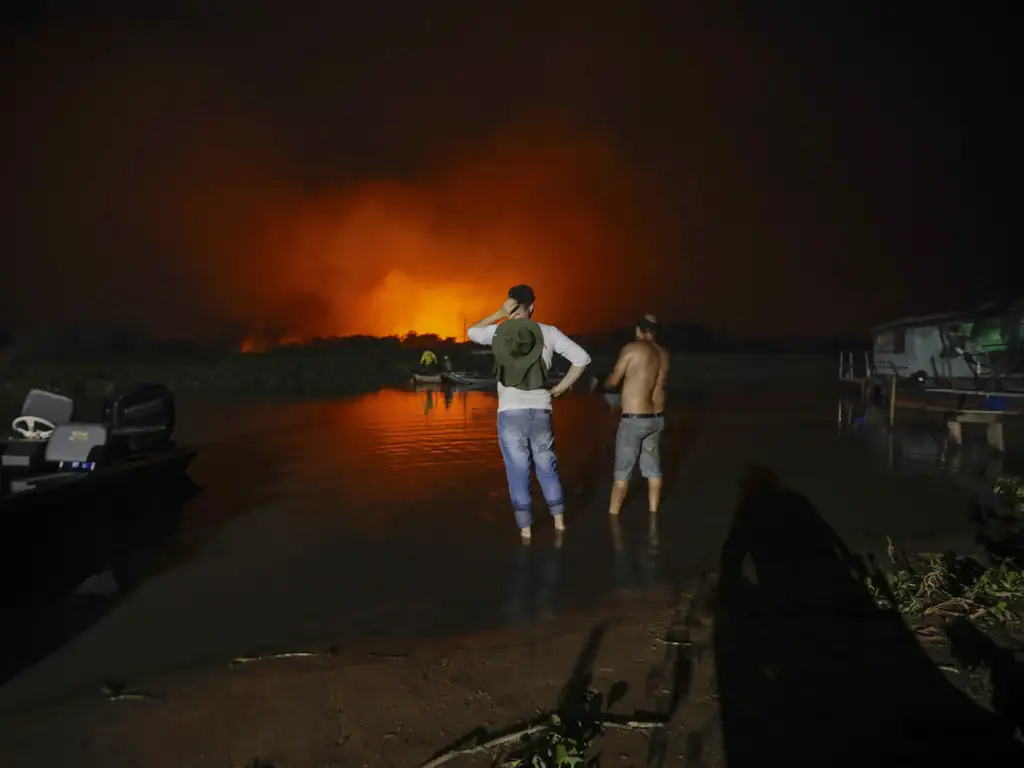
(384, 518)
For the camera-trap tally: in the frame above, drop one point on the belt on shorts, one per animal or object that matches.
(642, 415)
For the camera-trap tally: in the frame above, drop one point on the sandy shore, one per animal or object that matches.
(740, 671)
(374, 707)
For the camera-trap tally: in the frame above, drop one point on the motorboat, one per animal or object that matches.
(428, 378)
(70, 485)
(464, 379)
(480, 381)
(51, 457)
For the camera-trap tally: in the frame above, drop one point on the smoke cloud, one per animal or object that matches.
(143, 200)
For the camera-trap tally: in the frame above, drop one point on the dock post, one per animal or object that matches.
(994, 435)
(892, 401)
(993, 428)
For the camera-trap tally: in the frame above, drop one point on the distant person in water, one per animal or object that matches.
(641, 370)
(428, 362)
(523, 351)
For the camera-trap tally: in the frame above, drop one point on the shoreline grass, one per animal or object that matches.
(969, 609)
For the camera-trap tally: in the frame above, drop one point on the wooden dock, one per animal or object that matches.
(959, 406)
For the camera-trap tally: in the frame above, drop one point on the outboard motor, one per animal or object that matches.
(142, 418)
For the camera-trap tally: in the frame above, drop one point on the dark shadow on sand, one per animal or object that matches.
(577, 703)
(572, 699)
(810, 673)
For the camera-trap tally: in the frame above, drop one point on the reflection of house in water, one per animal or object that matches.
(907, 449)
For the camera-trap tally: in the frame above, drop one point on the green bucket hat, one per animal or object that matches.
(518, 348)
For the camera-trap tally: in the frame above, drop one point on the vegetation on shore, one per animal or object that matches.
(951, 585)
(970, 607)
(330, 367)
(347, 365)
(985, 586)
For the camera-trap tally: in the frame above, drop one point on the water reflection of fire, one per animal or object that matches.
(256, 343)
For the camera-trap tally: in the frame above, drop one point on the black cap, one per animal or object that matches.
(646, 325)
(521, 293)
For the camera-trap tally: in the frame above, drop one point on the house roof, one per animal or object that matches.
(990, 309)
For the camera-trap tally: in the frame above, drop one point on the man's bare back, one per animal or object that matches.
(641, 371)
(642, 368)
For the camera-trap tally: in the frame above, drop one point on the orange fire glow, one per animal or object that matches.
(545, 203)
(218, 223)
(234, 235)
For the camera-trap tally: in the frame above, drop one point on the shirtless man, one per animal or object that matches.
(641, 369)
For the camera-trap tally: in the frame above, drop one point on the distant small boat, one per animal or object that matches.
(428, 378)
(463, 379)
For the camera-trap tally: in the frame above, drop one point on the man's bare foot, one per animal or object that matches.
(559, 523)
(524, 534)
(559, 533)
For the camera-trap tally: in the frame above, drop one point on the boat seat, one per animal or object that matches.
(76, 442)
(56, 409)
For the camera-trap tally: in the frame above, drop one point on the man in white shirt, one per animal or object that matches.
(524, 415)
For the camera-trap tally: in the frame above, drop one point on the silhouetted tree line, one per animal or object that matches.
(120, 345)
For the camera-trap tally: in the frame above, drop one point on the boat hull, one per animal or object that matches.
(468, 380)
(428, 378)
(53, 535)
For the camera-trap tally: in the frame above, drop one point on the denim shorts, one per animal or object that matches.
(638, 438)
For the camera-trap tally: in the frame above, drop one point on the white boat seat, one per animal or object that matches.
(56, 409)
(75, 441)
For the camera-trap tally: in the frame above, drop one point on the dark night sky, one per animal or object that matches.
(766, 168)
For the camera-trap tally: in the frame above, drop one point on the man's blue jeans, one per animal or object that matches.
(525, 434)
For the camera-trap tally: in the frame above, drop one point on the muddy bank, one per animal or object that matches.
(737, 674)
(378, 706)
(780, 652)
